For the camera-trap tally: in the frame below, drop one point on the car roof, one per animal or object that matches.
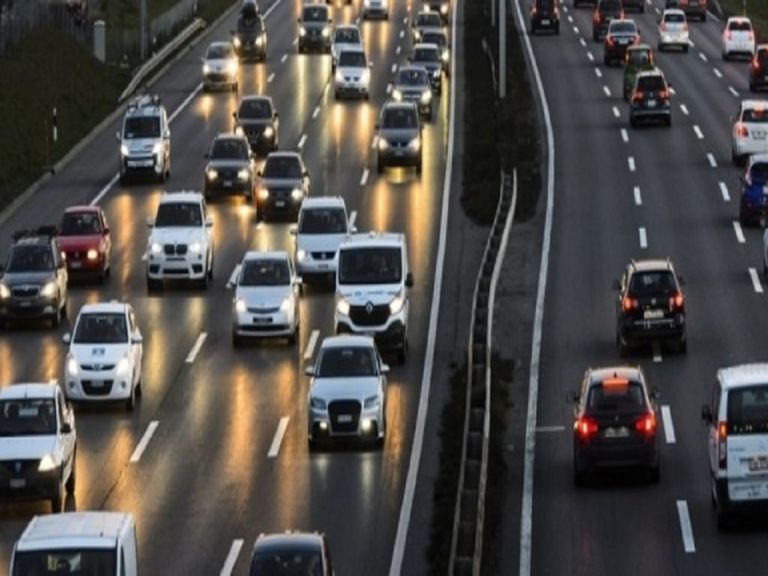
(181, 196)
(409, 67)
(340, 27)
(323, 202)
(345, 340)
(427, 45)
(753, 103)
(28, 390)
(284, 154)
(743, 375)
(353, 48)
(252, 255)
(230, 136)
(597, 375)
(296, 540)
(650, 265)
(646, 73)
(373, 239)
(675, 11)
(256, 98)
(639, 47)
(758, 159)
(622, 21)
(74, 530)
(103, 307)
(433, 30)
(219, 45)
(82, 208)
(739, 19)
(145, 105)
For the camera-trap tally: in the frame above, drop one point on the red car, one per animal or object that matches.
(84, 238)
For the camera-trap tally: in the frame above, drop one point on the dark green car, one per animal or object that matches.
(637, 59)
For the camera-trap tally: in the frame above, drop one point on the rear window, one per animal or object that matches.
(762, 56)
(639, 57)
(610, 6)
(649, 283)
(748, 410)
(674, 18)
(623, 27)
(617, 395)
(755, 115)
(739, 26)
(651, 83)
(759, 172)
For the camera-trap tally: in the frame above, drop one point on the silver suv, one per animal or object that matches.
(399, 136)
(145, 140)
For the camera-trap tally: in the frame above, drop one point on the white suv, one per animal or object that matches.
(323, 226)
(750, 130)
(105, 355)
(180, 242)
(737, 430)
(38, 443)
(145, 140)
(372, 282)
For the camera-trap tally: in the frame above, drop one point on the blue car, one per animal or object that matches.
(754, 190)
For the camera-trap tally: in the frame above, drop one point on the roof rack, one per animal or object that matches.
(40, 231)
(144, 100)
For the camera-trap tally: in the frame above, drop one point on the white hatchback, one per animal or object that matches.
(323, 226)
(353, 73)
(673, 30)
(220, 66)
(738, 37)
(104, 363)
(750, 130)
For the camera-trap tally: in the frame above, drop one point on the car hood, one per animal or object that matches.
(254, 122)
(140, 145)
(18, 278)
(356, 387)
(360, 295)
(267, 182)
(263, 296)
(27, 447)
(176, 235)
(79, 242)
(398, 133)
(351, 70)
(429, 65)
(319, 242)
(98, 353)
(218, 64)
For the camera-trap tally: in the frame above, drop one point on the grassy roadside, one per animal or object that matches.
(757, 10)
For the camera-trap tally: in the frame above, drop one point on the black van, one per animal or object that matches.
(545, 16)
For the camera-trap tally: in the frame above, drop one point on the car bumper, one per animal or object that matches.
(351, 88)
(316, 43)
(251, 52)
(98, 387)
(745, 147)
(589, 457)
(729, 505)
(214, 80)
(256, 325)
(746, 48)
(391, 335)
(311, 267)
(650, 113)
(548, 22)
(32, 308)
(375, 10)
(236, 186)
(279, 206)
(368, 425)
(77, 265)
(647, 330)
(756, 80)
(150, 165)
(400, 156)
(192, 268)
(32, 485)
(674, 39)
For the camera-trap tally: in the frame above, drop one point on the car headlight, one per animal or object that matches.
(92, 254)
(300, 255)
(383, 144)
(48, 463)
(397, 94)
(396, 304)
(269, 132)
(326, 32)
(124, 150)
(239, 130)
(436, 73)
(195, 247)
(260, 40)
(365, 77)
(426, 96)
(5, 292)
(446, 55)
(206, 69)
(339, 76)
(232, 66)
(342, 307)
(317, 403)
(156, 248)
(237, 42)
(157, 148)
(49, 290)
(297, 193)
(444, 9)
(72, 367)
(302, 31)
(371, 402)
(414, 144)
(286, 305)
(123, 367)
(243, 174)
(263, 194)
(240, 306)
(212, 173)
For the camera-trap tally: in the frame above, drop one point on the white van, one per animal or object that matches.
(737, 425)
(102, 543)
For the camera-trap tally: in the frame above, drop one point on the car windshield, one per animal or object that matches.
(652, 283)
(219, 51)
(229, 149)
(178, 214)
(426, 55)
(370, 266)
(348, 361)
(651, 83)
(748, 410)
(755, 115)
(323, 221)
(739, 26)
(674, 18)
(315, 14)
(434, 38)
(347, 36)
(142, 127)
(68, 561)
(27, 417)
(399, 118)
(759, 172)
(428, 19)
(266, 272)
(101, 328)
(412, 77)
(255, 108)
(623, 27)
(282, 167)
(250, 25)
(352, 59)
(639, 57)
(610, 6)
(30, 259)
(79, 224)
(290, 562)
(615, 397)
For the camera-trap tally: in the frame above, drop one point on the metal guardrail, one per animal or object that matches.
(469, 515)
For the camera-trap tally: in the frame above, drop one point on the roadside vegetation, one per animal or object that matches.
(757, 10)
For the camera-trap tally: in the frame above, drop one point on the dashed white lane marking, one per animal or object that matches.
(703, 56)
(724, 191)
(739, 232)
(684, 109)
(302, 141)
(270, 78)
(669, 427)
(598, 73)
(398, 49)
(233, 277)
(717, 72)
(364, 178)
(352, 218)
(712, 161)
(142, 445)
(229, 562)
(389, 88)
(106, 189)
(357, 20)
(402, 33)
(616, 112)
(698, 132)
(733, 91)
(274, 449)
(755, 281)
(631, 163)
(590, 56)
(405, 20)
(394, 68)
(685, 527)
(196, 348)
(576, 30)
(638, 197)
(295, 41)
(624, 135)
(144, 257)
(565, 8)
(284, 58)
(658, 10)
(550, 428)
(374, 142)
(311, 345)
(570, 19)
(643, 238)
(656, 351)
(672, 91)
(583, 43)
(315, 112)
(690, 43)
(607, 91)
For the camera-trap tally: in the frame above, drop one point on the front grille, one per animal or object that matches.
(254, 133)
(218, 77)
(25, 291)
(96, 367)
(280, 194)
(18, 468)
(341, 409)
(267, 310)
(323, 255)
(369, 315)
(94, 390)
(227, 173)
(175, 249)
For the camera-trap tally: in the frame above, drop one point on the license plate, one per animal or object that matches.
(344, 418)
(623, 41)
(97, 383)
(651, 103)
(25, 304)
(279, 203)
(621, 432)
(260, 320)
(545, 22)
(398, 152)
(758, 463)
(322, 266)
(75, 264)
(653, 314)
(18, 483)
(140, 163)
(227, 184)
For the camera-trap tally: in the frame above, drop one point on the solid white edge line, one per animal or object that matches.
(755, 281)
(526, 511)
(739, 232)
(104, 190)
(364, 178)
(274, 448)
(311, 343)
(724, 191)
(142, 445)
(196, 348)
(234, 552)
(638, 197)
(352, 218)
(685, 527)
(711, 159)
(669, 427)
(643, 238)
(409, 492)
(698, 132)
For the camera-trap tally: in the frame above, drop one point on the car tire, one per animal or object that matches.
(402, 351)
(682, 345)
(685, 48)
(63, 312)
(57, 498)
(723, 520)
(725, 56)
(642, 9)
(312, 444)
(668, 121)
(418, 167)
(130, 403)
(580, 477)
(153, 285)
(654, 473)
(72, 480)
(236, 340)
(123, 179)
(56, 319)
(379, 166)
(632, 121)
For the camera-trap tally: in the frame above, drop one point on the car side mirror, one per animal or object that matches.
(61, 264)
(167, 134)
(384, 369)
(330, 20)
(206, 155)
(209, 222)
(408, 280)
(616, 285)
(276, 116)
(137, 339)
(202, 59)
(150, 222)
(2, 268)
(706, 414)
(377, 126)
(298, 20)
(234, 114)
(67, 338)
(305, 173)
(66, 428)
(117, 136)
(293, 230)
(309, 370)
(655, 393)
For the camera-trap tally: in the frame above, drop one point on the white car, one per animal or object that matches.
(353, 74)
(145, 140)
(750, 130)
(738, 37)
(673, 30)
(348, 391)
(38, 443)
(266, 303)
(220, 66)
(345, 36)
(376, 9)
(180, 242)
(323, 226)
(104, 363)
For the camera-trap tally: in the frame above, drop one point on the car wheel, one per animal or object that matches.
(379, 166)
(668, 120)
(725, 56)
(63, 312)
(236, 340)
(685, 48)
(418, 167)
(123, 179)
(402, 351)
(312, 444)
(642, 9)
(579, 477)
(660, 47)
(723, 520)
(153, 285)
(557, 30)
(56, 319)
(682, 346)
(202, 284)
(632, 121)
(130, 404)
(72, 475)
(210, 269)
(57, 498)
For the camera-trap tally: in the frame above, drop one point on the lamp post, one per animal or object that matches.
(143, 29)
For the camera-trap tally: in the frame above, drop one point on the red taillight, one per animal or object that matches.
(741, 131)
(755, 64)
(664, 94)
(557, 11)
(727, 34)
(533, 10)
(586, 427)
(663, 26)
(609, 41)
(748, 178)
(722, 444)
(629, 303)
(636, 40)
(751, 36)
(637, 96)
(596, 17)
(677, 301)
(646, 425)
(621, 15)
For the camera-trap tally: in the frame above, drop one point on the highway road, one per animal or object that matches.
(622, 193)
(215, 471)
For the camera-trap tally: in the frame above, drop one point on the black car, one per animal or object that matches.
(650, 306)
(621, 35)
(250, 37)
(428, 56)
(544, 15)
(284, 183)
(636, 5)
(758, 72)
(257, 119)
(412, 84)
(291, 553)
(605, 11)
(615, 423)
(650, 99)
(692, 8)
(315, 28)
(439, 39)
(33, 281)
(230, 168)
